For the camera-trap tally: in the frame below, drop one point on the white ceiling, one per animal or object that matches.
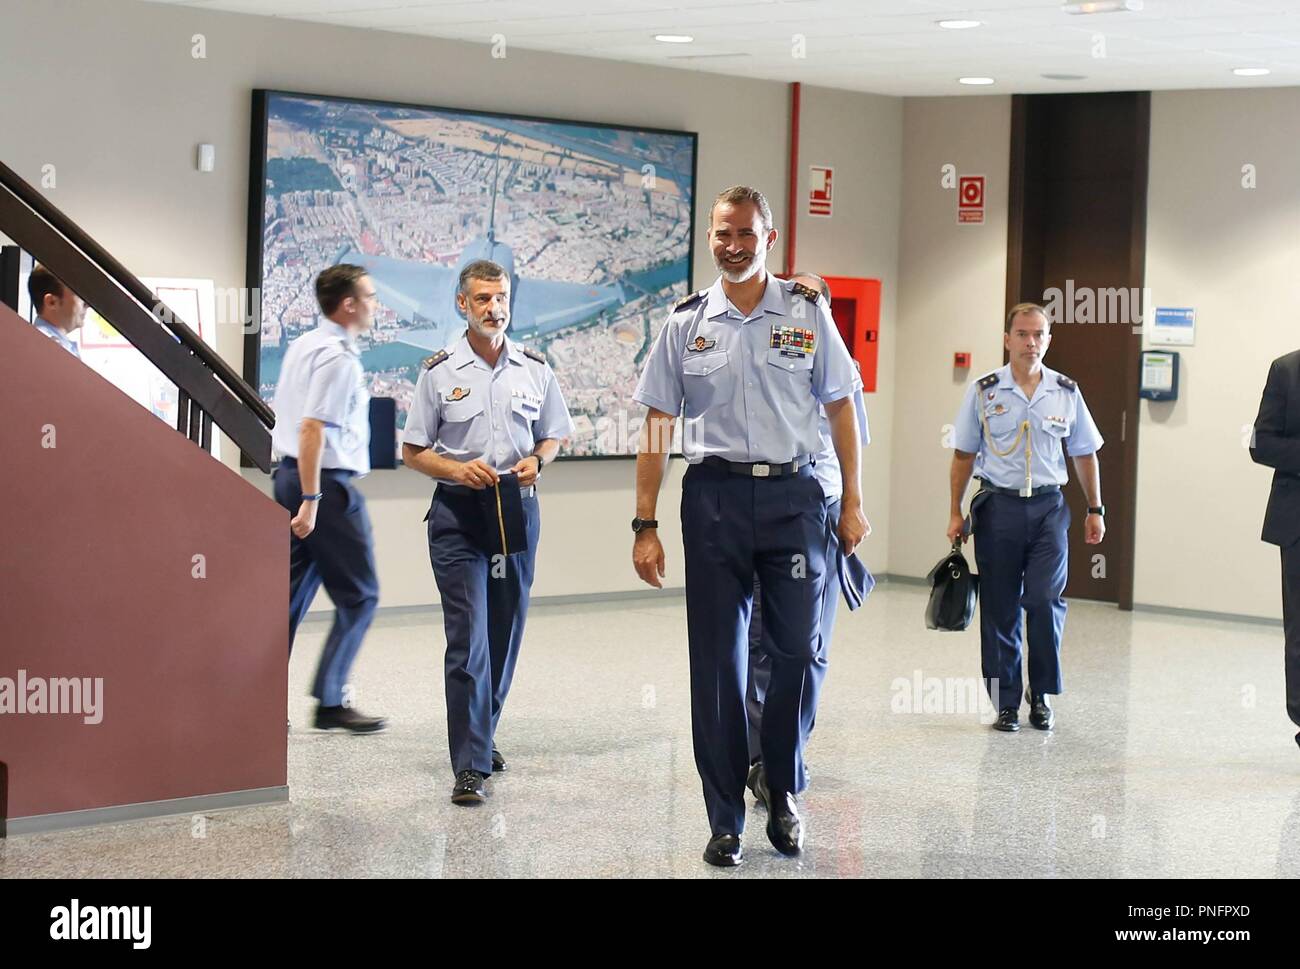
(883, 46)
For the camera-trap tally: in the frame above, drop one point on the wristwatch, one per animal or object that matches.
(1098, 510)
(641, 524)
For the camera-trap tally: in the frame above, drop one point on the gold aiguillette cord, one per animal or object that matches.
(501, 519)
(1023, 431)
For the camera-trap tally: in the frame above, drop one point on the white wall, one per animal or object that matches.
(118, 104)
(952, 287)
(1232, 253)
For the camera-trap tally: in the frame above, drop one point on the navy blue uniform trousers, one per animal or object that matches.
(340, 554)
(1021, 551)
(484, 606)
(760, 666)
(735, 527)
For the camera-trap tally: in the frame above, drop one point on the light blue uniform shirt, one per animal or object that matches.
(1057, 416)
(749, 388)
(321, 379)
(58, 336)
(465, 409)
(827, 471)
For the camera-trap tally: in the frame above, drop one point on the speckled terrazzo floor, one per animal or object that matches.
(1172, 757)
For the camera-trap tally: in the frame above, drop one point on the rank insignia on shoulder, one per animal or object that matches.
(807, 292)
(456, 393)
(1065, 381)
(700, 344)
(430, 362)
(690, 300)
(533, 354)
(988, 380)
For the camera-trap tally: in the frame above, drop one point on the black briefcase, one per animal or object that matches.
(953, 591)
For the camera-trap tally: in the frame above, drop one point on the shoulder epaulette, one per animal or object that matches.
(690, 300)
(988, 380)
(1065, 381)
(806, 292)
(430, 362)
(533, 354)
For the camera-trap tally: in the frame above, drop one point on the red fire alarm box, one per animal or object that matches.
(855, 306)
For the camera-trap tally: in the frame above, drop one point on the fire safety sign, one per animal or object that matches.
(819, 190)
(970, 200)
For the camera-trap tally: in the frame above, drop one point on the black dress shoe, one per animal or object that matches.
(498, 762)
(346, 718)
(1041, 716)
(757, 783)
(784, 826)
(468, 788)
(1008, 720)
(723, 851)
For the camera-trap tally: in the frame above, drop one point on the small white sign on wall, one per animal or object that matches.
(1173, 326)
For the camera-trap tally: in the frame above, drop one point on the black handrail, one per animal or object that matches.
(128, 281)
(94, 274)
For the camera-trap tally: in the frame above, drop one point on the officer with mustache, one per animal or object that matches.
(484, 408)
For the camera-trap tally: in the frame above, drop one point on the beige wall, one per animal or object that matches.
(952, 287)
(1232, 253)
(1228, 251)
(861, 139)
(120, 111)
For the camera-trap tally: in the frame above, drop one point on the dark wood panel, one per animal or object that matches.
(1078, 221)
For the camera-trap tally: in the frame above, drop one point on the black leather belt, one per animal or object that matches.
(1015, 492)
(292, 463)
(759, 469)
(455, 489)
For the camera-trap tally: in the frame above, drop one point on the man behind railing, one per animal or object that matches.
(322, 431)
(59, 311)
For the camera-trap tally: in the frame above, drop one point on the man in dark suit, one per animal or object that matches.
(1276, 443)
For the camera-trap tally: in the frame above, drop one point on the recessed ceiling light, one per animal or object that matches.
(674, 38)
(1064, 77)
(959, 24)
(974, 80)
(1250, 71)
(1102, 6)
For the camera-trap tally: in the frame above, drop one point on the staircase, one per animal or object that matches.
(143, 585)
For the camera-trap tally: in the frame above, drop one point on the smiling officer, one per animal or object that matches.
(748, 364)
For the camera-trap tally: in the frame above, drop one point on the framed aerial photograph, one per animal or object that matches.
(594, 223)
